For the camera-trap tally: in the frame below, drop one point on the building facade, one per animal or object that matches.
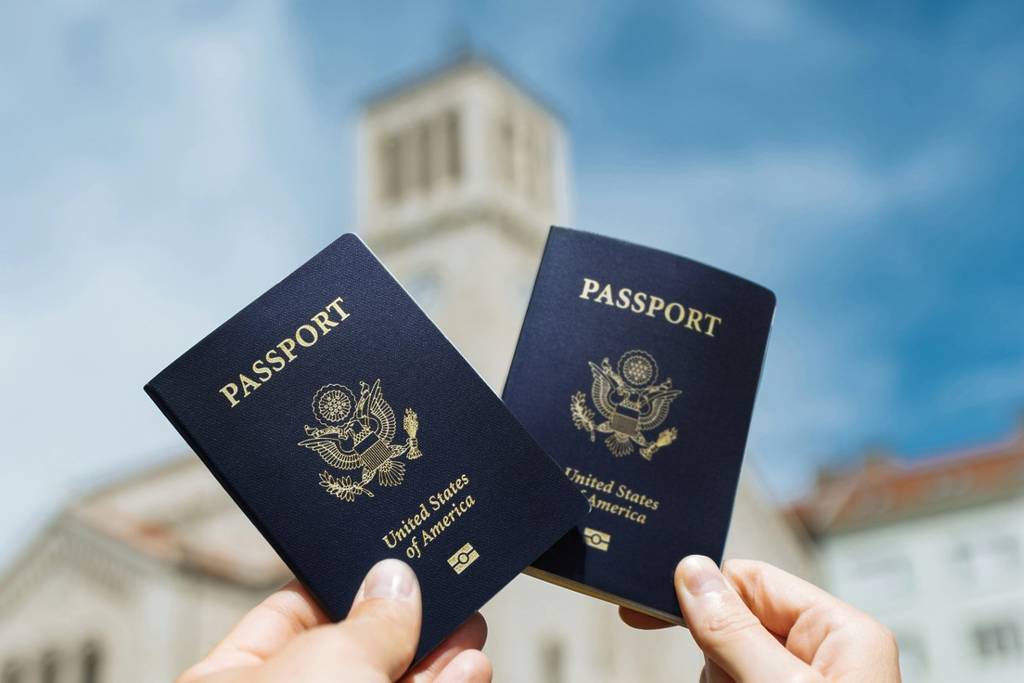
(133, 582)
(460, 174)
(936, 552)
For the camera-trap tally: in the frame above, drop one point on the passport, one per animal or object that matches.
(349, 429)
(636, 371)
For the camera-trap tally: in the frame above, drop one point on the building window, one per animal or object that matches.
(884, 578)
(391, 168)
(533, 145)
(92, 663)
(543, 159)
(424, 157)
(49, 668)
(538, 151)
(998, 640)
(12, 673)
(552, 662)
(507, 149)
(415, 158)
(988, 560)
(453, 144)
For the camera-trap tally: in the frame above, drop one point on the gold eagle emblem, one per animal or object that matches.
(631, 400)
(359, 434)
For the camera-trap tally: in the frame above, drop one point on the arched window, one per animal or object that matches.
(49, 668)
(92, 663)
(12, 673)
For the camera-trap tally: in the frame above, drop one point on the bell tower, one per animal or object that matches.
(461, 171)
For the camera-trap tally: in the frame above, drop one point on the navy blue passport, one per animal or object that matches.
(636, 370)
(349, 429)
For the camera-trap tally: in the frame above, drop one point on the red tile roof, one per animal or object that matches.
(199, 529)
(884, 489)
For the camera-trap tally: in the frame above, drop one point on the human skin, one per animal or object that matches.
(754, 622)
(757, 624)
(288, 638)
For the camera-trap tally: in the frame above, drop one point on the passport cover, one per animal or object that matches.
(636, 371)
(349, 429)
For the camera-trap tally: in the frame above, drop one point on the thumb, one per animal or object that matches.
(383, 626)
(728, 632)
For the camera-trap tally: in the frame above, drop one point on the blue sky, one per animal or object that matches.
(163, 164)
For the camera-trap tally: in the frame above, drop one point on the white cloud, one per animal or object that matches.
(766, 18)
(778, 216)
(987, 386)
(789, 198)
(820, 391)
(167, 145)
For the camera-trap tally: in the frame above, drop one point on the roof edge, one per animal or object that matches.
(463, 59)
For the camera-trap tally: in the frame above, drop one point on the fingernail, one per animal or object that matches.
(701, 575)
(390, 579)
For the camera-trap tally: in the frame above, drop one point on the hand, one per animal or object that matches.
(758, 624)
(287, 638)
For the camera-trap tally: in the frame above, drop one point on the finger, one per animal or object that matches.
(641, 620)
(383, 626)
(470, 636)
(774, 596)
(471, 666)
(261, 633)
(779, 599)
(727, 631)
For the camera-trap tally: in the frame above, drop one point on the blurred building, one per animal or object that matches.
(935, 550)
(133, 582)
(461, 171)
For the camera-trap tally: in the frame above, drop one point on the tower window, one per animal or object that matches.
(49, 668)
(545, 157)
(537, 153)
(453, 143)
(507, 148)
(92, 663)
(390, 168)
(424, 157)
(532, 144)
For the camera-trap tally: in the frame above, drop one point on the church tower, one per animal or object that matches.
(461, 172)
